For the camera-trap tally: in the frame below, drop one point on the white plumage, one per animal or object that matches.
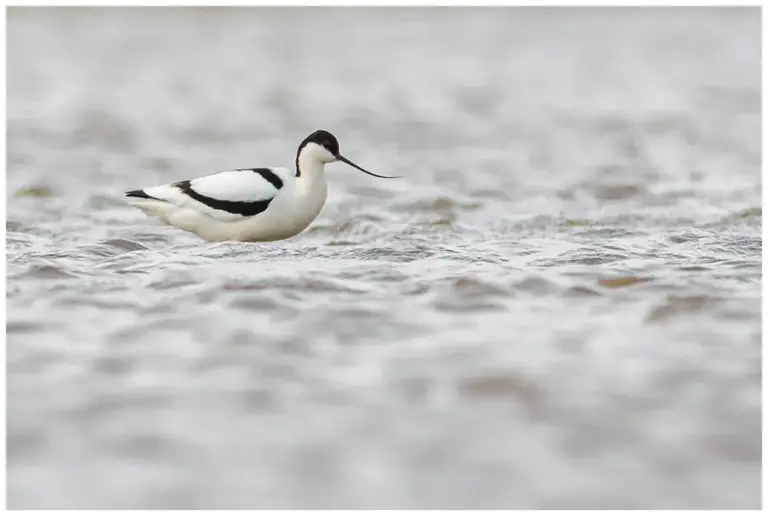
(256, 205)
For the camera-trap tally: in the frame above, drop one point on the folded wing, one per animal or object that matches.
(228, 195)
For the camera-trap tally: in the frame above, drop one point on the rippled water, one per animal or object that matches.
(558, 307)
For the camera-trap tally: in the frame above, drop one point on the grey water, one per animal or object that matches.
(558, 306)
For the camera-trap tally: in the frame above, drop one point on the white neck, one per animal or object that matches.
(311, 189)
(309, 167)
(311, 161)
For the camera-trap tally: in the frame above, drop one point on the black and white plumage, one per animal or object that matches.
(251, 204)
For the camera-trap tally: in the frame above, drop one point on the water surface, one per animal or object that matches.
(557, 307)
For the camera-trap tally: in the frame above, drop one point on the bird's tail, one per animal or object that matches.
(150, 202)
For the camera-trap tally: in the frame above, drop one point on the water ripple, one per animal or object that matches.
(557, 306)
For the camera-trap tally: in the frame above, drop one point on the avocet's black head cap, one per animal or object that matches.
(324, 139)
(329, 142)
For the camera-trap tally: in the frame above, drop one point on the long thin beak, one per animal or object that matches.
(345, 160)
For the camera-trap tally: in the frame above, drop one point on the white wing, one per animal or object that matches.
(240, 185)
(227, 195)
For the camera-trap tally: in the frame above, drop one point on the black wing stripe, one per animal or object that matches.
(268, 175)
(247, 209)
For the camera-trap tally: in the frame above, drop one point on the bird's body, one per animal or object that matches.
(252, 205)
(238, 204)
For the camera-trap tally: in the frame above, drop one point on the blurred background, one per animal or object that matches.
(557, 307)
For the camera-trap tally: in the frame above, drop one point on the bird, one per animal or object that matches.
(249, 204)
